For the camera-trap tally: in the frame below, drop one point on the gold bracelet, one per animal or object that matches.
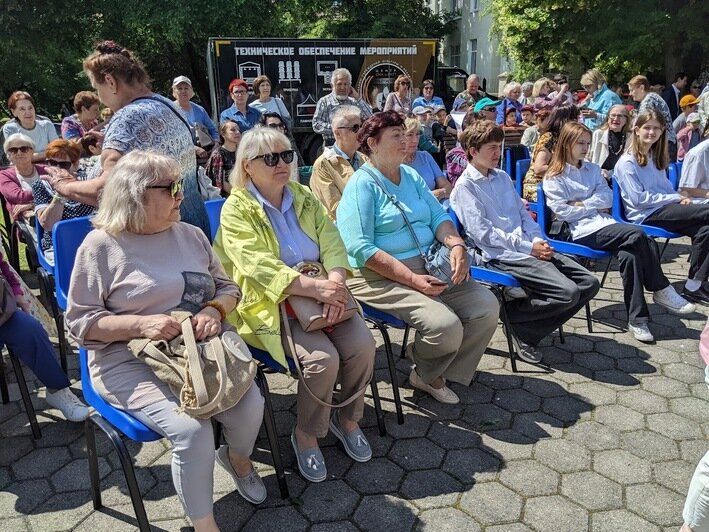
(218, 306)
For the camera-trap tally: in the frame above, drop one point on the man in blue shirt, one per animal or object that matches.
(247, 117)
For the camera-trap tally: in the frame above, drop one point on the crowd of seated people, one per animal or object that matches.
(374, 204)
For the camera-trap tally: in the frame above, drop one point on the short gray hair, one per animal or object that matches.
(473, 76)
(512, 85)
(17, 137)
(257, 141)
(341, 73)
(527, 86)
(121, 202)
(342, 113)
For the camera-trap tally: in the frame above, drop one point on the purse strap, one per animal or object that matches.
(397, 204)
(294, 356)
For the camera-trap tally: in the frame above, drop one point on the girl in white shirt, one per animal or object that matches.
(578, 194)
(648, 198)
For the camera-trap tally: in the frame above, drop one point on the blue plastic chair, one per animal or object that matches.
(68, 236)
(650, 230)
(214, 211)
(522, 169)
(511, 162)
(674, 171)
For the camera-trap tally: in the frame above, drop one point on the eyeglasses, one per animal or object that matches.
(428, 87)
(64, 165)
(175, 187)
(240, 92)
(271, 159)
(353, 128)
(273, 125)
(21, 149)
(404, 83)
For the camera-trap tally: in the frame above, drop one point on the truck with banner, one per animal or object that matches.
(300, 71)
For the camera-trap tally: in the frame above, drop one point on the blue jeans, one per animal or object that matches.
(29, 342)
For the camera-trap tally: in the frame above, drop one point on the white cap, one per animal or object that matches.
(693, 117)
(181, 79)
(422, 109)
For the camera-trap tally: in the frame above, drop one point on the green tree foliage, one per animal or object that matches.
(44, 43)
(622, 37)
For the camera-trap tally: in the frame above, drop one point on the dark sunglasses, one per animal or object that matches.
(21, 149)
(354, 128)
(175, 187)
(271, 159)
(64, 165)
(276, 126)
(404, 83)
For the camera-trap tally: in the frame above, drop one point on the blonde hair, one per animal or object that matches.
(121, 203)
(570, 134)
(593, 77)
(411, 124)
(639, 81)
(258, 141)
(512, 85)
(538, 86)
(658, 151)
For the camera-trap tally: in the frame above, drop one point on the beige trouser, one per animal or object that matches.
(347, 350)
(452, 330)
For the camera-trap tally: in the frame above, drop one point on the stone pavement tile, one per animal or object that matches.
(594, 393)
(162, 503)
(475, 393)
(145, 454)
(618, 417)
(620, 520)
(430, 406)
(384, 513)
(555, 514)
(13, 448)
(562, 455)
(571, 373)
(75, 475)
(232, 511)
(692, 407)
(336, 460)
(431, 489)
(472, 465)
(686, 373)
(665, 386)
(379, 475)
(381, 445)
(12, 408)
(650, 446)
(674, 426)
(415, 425)
(20, 498)
(692, 450)
(491, 503)
(269, 519)
(328, 501)
(530, 478)
(555, 356)
(114, 491)
(62, 512)
(655, 503)
(616, 379)
(453, 435)
(499, 381)
(487, 417)
(594, 436)
(643, 401)
(537, 426)
(445, 520)
(516, 401)
(336, 526)
(621, 466)
(5, 478)
(615, 349)
(508, 443)
(512, 527)
(674, 475)
(15, 524)
(594, 361)
(60, 433)
(568, 409)
(592, 491)
(544, 386)
(417, 453)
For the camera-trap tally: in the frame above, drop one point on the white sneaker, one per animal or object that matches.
(70, 405)
(641, 332)
(442, 395)
(672, 301)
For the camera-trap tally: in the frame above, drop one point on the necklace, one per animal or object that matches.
(617, 137)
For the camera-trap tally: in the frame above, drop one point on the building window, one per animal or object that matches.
(473, 62)
(474, 6)
(455, 55)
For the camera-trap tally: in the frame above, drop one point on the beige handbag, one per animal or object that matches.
(208, 377)
(309, 311)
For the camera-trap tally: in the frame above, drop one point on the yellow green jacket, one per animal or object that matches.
(248, 248)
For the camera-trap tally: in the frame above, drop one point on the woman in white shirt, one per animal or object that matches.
(610, 140)
(578, 194)
(267, 103)
(648, 198)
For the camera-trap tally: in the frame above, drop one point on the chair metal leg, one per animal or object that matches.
(392, 368)
(4, 392)
(127, 465)
(507, 326)
(92, 456)
(589, 321)
(25, 393)
(561, 334)
(378, 407)
(63, 342)
(405, 341)
(664, 247)
(46, 288)
(605, 273)
(217, 429)
(269, 424)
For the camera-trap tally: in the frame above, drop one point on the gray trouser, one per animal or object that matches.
(193, 444)
(556, 290)
(452, 330)
(346, 350)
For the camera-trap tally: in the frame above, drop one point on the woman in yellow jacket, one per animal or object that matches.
(268, 225)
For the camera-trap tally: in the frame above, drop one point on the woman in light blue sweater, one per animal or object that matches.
(648, 198)
(453, 323)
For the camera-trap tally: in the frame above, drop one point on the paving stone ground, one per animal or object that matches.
(607, 440)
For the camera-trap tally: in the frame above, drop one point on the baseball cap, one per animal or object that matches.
(181, 79)
(693, 117)
(485, 102)
(437, 108)
(688, 99)
(422, 110)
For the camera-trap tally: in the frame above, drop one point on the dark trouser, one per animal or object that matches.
(556, 290)
(639, 264)
(688, 220)
(29, 342)
(672, 150)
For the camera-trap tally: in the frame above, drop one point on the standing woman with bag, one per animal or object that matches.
(269, 225)
(138, 265)
(386, 217)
